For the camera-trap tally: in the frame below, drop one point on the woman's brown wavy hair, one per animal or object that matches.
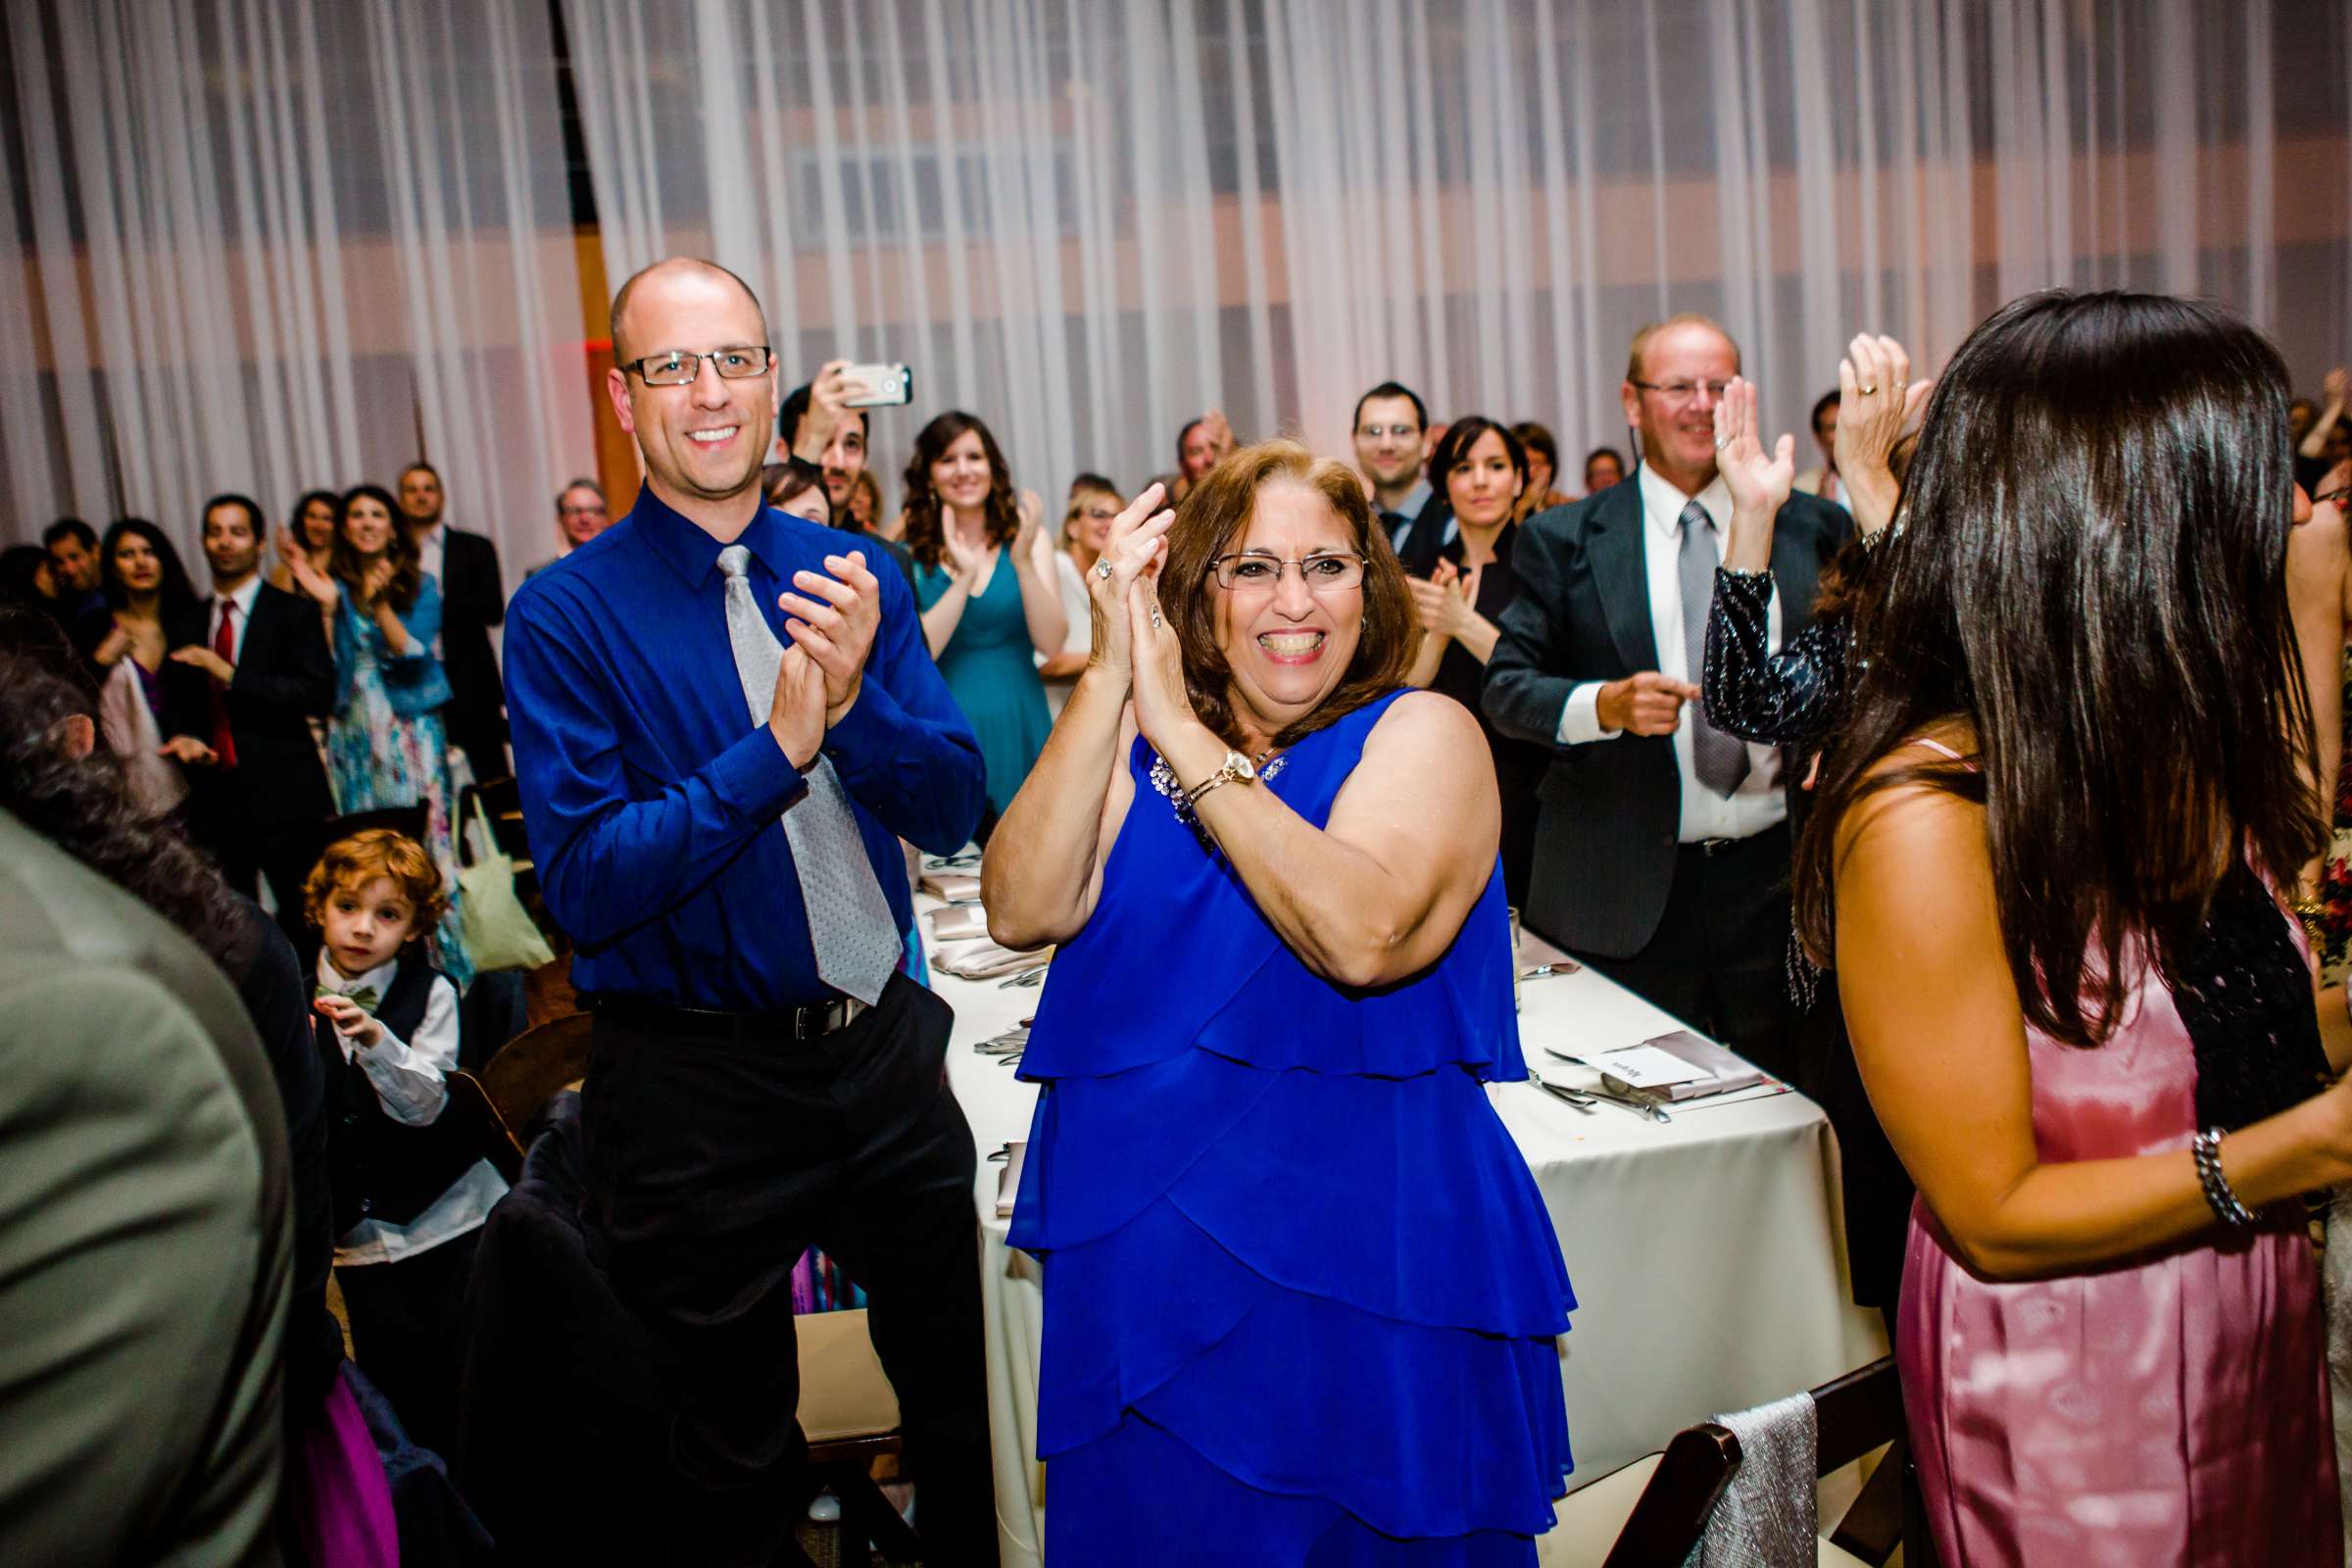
(1210, 523)
(407, 561)
(926, 528)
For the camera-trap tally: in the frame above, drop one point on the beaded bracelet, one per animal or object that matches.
(2206, 1146)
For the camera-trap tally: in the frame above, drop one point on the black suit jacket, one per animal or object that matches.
(1609, 811)
(1424, 538)
(473, 599)
(285, 677)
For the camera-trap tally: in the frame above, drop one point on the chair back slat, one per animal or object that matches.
(1672, 1512)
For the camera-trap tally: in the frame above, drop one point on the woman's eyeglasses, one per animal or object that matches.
(1330, 572)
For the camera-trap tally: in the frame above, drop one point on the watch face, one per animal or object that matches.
(1242, 767)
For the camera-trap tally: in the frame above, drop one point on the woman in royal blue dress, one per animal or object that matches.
(1301, 1295)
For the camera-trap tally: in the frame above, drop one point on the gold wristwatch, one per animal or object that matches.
(1237, 769)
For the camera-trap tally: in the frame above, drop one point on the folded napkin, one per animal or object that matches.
(1009, 1180)
(979, 959)
(1769, 1517)
(947, 884)
(958, 922)
(1678, 1066)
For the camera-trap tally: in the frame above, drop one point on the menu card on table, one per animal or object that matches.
(1681, 1065)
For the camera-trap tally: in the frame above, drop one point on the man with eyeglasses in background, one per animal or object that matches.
(582, 514)
(725, 720)
(1392, 444)
(1662, 850)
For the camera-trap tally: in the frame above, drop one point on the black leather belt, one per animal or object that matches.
(739, 1028)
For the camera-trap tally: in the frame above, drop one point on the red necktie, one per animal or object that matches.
(225, 644)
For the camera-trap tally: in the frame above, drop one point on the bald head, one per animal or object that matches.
(681, 280)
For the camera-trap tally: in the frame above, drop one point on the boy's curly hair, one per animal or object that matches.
(361, 859)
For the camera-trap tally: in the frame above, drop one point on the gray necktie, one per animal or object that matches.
(1720, 760)
(856, 943)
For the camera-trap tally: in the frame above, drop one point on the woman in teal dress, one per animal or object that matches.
(984, 576)
(385, 746)
(1301, 1294)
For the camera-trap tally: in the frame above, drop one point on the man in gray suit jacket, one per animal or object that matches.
(1662, 847)
(144, 1235)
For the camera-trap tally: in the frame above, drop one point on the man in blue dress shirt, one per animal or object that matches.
(721, 729)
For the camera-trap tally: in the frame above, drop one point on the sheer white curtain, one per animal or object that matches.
(1089, 222)
(271, 245)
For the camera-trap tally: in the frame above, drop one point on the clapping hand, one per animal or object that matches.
(308, 577)
(113, 646)
(1443, 602)
(1877, 400)
(833, 619)
(1137, 545)
(962, 560)
(2334, 385)
(374, 580)
(1162, 703)
(1759, 480)
(188, 751)
(204, 659)
(796, 714)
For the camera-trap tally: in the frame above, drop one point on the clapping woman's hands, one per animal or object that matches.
(1759, 480)
(1137, 545)
(964, 561)
(1877, 400)
(1162, 703)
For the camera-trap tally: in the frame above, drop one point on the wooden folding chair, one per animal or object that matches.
(1655, 1510)
(849, 1415)
(524, 1073)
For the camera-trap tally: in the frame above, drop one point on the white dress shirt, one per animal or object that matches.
(1759, 803)
(243, 599)
(409, 1086)
(428, 560)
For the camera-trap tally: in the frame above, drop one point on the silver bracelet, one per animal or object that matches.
(2206, 1146)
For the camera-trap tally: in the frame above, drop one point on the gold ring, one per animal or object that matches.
(1870, 390)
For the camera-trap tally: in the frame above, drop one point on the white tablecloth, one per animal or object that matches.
(1706, 1254)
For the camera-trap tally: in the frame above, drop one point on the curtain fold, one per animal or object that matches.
(274, 243)
(287, 245)
(1088, 224)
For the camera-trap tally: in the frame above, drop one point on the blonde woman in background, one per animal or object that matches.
(1084, 528)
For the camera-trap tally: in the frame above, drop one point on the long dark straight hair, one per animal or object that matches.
(926, 522)
(2092, 580)
(174, 593)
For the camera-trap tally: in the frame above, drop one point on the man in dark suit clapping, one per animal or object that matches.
(250, 668)
(473, 599)
(1662, 850)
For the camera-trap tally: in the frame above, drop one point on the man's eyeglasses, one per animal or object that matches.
(2335, 498)
(1676, 393)
(596, 511)
(1261, 569)
(677, 368)
(1401, 432)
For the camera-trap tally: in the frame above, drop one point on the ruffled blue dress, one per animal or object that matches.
(1301, 1294)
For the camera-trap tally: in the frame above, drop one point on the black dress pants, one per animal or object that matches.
(1718, 959)
(407, 1334)
(712, 1165)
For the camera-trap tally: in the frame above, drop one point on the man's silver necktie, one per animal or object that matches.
(857, 944)
(1719, 759)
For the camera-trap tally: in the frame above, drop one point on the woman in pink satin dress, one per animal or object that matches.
(2076, 768)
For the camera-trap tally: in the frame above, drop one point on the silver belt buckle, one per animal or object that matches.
(1711, 848)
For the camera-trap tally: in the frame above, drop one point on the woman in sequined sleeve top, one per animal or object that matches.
(1790, 697)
